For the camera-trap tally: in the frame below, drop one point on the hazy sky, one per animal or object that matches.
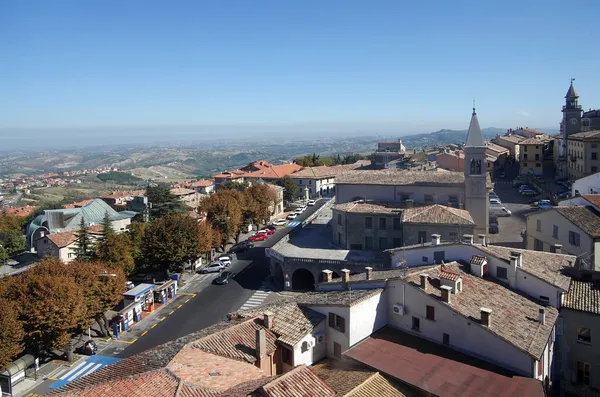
(413, 65)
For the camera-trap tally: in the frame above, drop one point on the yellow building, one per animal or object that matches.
(531, 156)
(582, 154)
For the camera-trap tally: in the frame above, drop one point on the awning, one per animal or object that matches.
(164, 286)
(19, 365)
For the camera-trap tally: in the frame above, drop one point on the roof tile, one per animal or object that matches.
(584, 296)
(585, 217)
(299, 382)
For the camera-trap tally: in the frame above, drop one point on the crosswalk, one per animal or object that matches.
(257, 298)
(86, 367)
(293, 224)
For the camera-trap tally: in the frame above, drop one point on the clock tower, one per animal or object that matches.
(476, 192)
(571, 112)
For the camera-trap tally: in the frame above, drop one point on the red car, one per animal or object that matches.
(270, 231)
(258, 237)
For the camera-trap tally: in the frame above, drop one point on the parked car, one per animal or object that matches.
(225, 260)
(493, 219)
(524, 187)
(213, 267)
(298, 211)
(224, 278)
(89, 348)
(494, 195)
(258, 237)
(292, 216)
(495, 201)
(499, 210)
(241, 247)
(528, 192)
(543, 204)
(494, 228)
(517, 183)
(280, 222)
(563, 195)
(270, 229)
(311, 203)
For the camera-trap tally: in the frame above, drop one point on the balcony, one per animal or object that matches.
(565, 107)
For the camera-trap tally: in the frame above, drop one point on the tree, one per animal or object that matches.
(171, 241)
(84, 246)
(12, 240)
(101, 242)
(207, 238)
(116, 250)
(260, 199)
(241, 186)
(11, 332)
(225, 213)
(136, 237)
(290, 189)
(163, 201)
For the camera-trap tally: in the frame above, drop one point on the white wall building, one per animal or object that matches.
(587, 185)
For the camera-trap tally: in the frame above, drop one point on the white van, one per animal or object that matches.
(499, 210)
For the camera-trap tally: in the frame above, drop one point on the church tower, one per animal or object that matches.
(571, 112)
(476, 192)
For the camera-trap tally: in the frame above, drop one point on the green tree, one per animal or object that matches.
(84, 246)
(3, 256)
(116, 250)
(11, 332)
(136, 237)
(163, 201)
(290, 189)
(12, 240)
(101, 242)
(171, 241)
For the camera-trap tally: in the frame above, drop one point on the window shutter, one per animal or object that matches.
(343, 325)
(332, 320)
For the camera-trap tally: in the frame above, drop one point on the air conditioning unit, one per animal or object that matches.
(399, 309)
(319, 338)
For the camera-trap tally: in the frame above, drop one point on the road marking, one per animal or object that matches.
(187, 293)
(51, 379)
(172, 312)
(144, 333)
(256, 299)
(179, 307)
(187, 301)
(162, 319)
(125, 341)
(153, 326)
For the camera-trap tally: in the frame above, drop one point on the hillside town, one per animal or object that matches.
(463, 270)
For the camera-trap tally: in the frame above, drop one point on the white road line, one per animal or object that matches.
(84, 369)
(74, 369)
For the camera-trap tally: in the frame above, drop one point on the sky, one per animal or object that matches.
(310, 65)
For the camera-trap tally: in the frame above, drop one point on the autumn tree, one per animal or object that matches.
(225, 213)
(11, 332)
(84, 245)
(207, 238)
(171, 241)
(290, 189)
(115, 249)
(260, 199)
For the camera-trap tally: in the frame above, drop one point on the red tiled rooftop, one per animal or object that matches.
(276, 171)
(438, 370)
(18, 211)
(299, 382)
(593, 199)
(78, 204)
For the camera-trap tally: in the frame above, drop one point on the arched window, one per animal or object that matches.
(475, 167)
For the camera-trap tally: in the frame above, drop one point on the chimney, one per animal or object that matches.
(446, 291)
(261, 344)
(514, 262)
(409, 203)
(468, 239)
(268, 319)
(345, 275)
(327, 275)
(558, 248)
(435, 239)
(519, 257)
(486, 316)
(423, 277)
(481, 239)
(542, 316)
(369, 271)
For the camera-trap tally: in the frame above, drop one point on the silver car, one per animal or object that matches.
(214, 267)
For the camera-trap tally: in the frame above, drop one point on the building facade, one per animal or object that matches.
(387, 152)
(583, 157)
(320, 180)
(531, 158)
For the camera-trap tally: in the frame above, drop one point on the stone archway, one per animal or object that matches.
(303, 280)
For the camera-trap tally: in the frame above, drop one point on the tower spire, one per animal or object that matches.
(474, 136)
(572, 93)
(474, 107)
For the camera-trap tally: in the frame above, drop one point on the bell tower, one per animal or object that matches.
(476, 192)
(571, 112)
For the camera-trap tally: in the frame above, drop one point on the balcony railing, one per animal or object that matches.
(572, 107)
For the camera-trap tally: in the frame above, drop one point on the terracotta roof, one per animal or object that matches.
(400, 177)
(533, 141)
(237, 342)
(448, 274)
(78, 204)
(379, 386)
(291, 322)
(342, 375)
(299, 382)
(337, 298)
(584, 217)
(512, 313)
(437, 370)
(477, 260)
(276, 171)
(18, 211)
(326, 171)
(511, 138)
(584, 296)
(62, 239)
(230, 174)
(437, 214)
(116, 195)
(200, 183)
(496, 148)
(591, 135)
(593, 199)
(546, 266)
(182, 191)
(370, 207)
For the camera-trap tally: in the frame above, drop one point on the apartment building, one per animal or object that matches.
(583, 154)
(511, 142)
(387, 152)
(531, 158)
(320, 180)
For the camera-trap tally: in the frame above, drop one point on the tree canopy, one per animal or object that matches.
(163, 201)
(225, 211)
(84, 245)
(314, 160)
(11, 332)
(290, 189)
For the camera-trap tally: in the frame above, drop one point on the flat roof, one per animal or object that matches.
(139, 289)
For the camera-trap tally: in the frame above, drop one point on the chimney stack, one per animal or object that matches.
(542, 316)
(514, 262)
(435, 239)
(486, 316)
(468, 239)
(423, 277)
(409, 203)
(446, 292)
(558, 248)
(261, 344)
(327, 275)
(481, 239)
(369, 271)
(268, 319)
(345, 275)
(519, 257)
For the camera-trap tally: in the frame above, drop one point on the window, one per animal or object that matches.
(70, 255)
(594, 169)
(555, 231)
(594, 156)
(382, 243)
(369, 243)
(310, 190)
(538, 225)
(538, 245)
(430, 313)
(583, 373)
(453, 199)
(404, 196)
(524, 164)
(453, 236)
(397, 242)
(525, 149)
(544, 298)
(501, 272)
(310, 181)
(382, 223)
(300, 181)
(422, 237)
(537, 157)
(397, 224)
(446, 339)
(415, 323)
(368, 222)
(538, 165)
(428, 199)
(584, 335)
(287, 356)
(356, 247)
(340, 219)
(574, 238)
(337, 322)
(525, 156)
